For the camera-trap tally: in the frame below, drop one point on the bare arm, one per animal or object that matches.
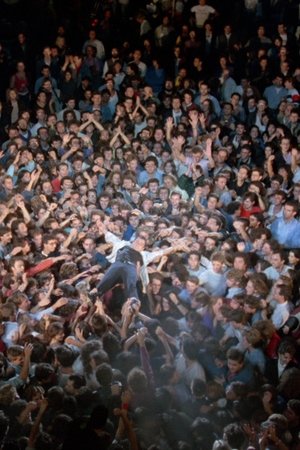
(36, 425)
(162, 337)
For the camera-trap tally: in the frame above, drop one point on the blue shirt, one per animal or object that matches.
(286, 233)
(144, 177)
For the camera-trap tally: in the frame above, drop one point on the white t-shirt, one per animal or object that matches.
(202, 13)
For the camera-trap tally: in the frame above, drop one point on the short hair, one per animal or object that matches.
(235, 435)
(65, 355)
(235, 355)
(78, 381)
(287, 346)
(104, 374)
(151, 159)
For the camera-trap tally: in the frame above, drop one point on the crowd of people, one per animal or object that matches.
(150, 233)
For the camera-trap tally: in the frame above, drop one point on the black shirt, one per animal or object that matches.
(129, 256)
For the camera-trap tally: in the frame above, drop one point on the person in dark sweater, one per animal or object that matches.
(125, 269)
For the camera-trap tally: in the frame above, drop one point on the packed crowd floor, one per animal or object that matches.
(149, 230)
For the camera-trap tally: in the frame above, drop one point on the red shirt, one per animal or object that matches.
(247, 213)
(56, 185)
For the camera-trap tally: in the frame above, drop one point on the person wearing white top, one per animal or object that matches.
(202, 12)
(282, 309)
(100, 50)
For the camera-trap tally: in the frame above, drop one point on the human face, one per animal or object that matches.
(156, 286)
(47, 188)
(139, 244)
(212, 203)
(217, 266)
(234, 366)
(239, 264)
(63, 171)
(216, 307)
(221, 156)
(242, 174)
(163, 195)
(134, 221)
(276, 261)
(212, 224)
(92, 197)
(150, 167)
(221, 183)
(285, 145)
(69, 388)
(285, 358)
(67, 185)
(175, 200)
(292, 259)
(25, 304)
(6, 238)
(18, 268)
(288, 212)
(50, 246)
(193, 262)
(191, 287)
(278, 200)
(248, 204)
(266, 249)
(22, 230)
(37, 240)
(89, 245)
(250, 288)
(8, 184)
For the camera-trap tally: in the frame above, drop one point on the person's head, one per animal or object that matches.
(17, 267)
(212, 202)
(234, 435)
(194, 260)
(278, 259)
(214, 223)
(139, 244)
(221, 181)
(294, 257)
(286, 351)
(236, 390)
(217, 261)
(49, 244)
(55, 332)
(290, 210)
(5, 235)
(235, 360)
(241, 262)
(8, 394)
(88, 245)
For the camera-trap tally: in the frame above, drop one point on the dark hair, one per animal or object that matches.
(65, 355)
(235, 435)
(235, 355)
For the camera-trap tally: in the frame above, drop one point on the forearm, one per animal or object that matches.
(167, 348)
(198, 205)
(244, 234)
(114, 139)
(129, 342)
(125, 138)
(68, 154)
(35, 428)
(150, 300)
(130, 433)
(270, 169)
(97, 125)
(261, 203)
(43, 219)
(25, 369)
(84, 125)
